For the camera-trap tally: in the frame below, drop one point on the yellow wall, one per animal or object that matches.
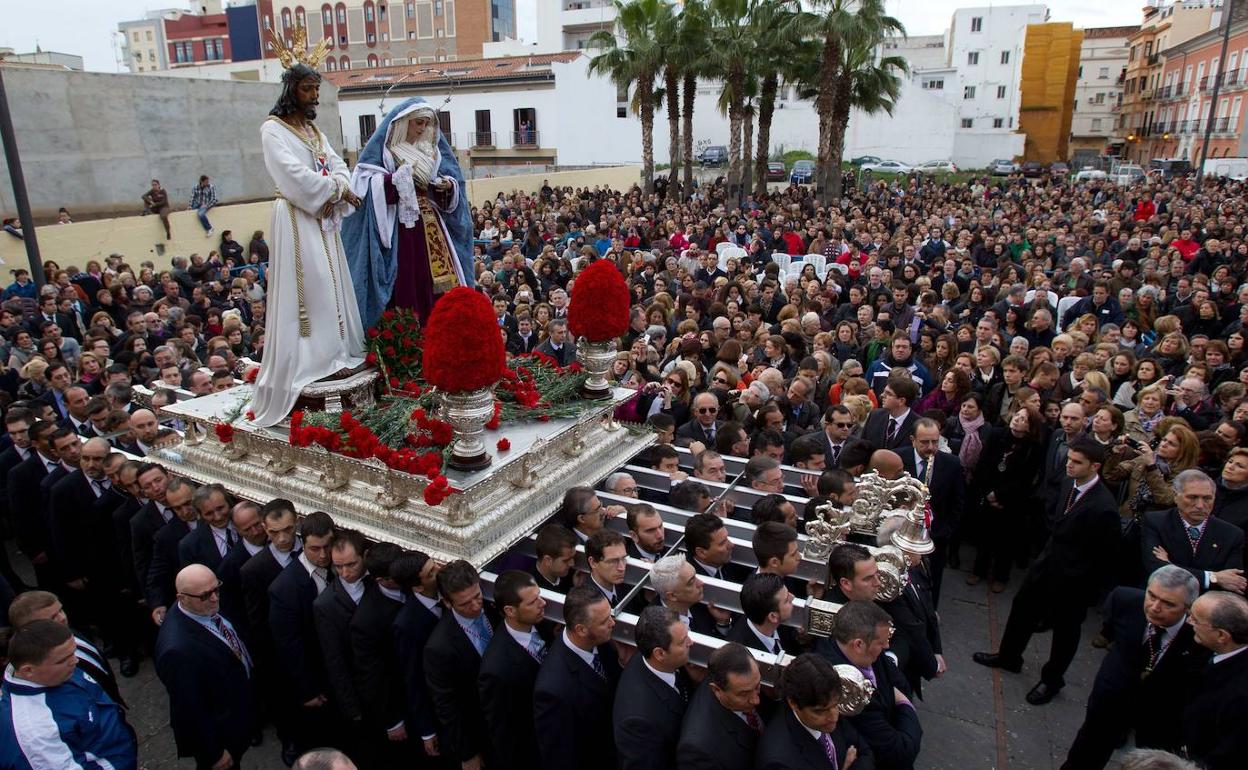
(1049, 74)
(140, 238)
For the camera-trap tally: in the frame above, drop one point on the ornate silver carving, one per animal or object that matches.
(856, 690)
(596, 359)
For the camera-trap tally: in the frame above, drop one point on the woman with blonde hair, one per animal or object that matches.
(859, 407)
(1150, 408)
(34, 384)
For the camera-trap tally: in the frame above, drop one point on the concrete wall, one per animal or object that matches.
(141, 238)
(91, 142)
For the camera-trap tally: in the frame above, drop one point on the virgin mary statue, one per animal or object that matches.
(411, 239)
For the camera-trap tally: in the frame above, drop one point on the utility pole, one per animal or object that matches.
(1217, 87)
(14, 161)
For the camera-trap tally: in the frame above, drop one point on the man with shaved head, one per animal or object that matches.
(207, 670)
(146, 430)
(887, 463)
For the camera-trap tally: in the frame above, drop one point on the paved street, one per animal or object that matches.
(973, 719)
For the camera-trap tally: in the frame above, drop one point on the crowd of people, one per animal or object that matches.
(1063, 365)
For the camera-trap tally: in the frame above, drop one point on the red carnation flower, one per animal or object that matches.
(598, 310)
(250, 415)
(371, 358)
(463, 349)
(437, 490)
(225, 432)
(252, 374)
(503, 445)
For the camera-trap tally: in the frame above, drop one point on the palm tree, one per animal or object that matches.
(668, 38)
(694, 31)
(851, 31)
(779, 30)
(729, 51)
(633, 60)
(873, 87)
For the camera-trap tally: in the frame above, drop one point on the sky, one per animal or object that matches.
(86, 27)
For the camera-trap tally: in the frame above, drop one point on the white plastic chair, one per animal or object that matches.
(783, 260)
(820, 262)
(723, 246)
(838, 267)
(732, 252)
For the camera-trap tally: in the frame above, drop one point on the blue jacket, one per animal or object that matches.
(878, 372)
(72, 725)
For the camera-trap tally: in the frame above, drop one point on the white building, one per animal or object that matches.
(573, 118)
(143, 41)
(1098, 92)
(920, 51)
(42, 58)
(562, 25)
(986, 48)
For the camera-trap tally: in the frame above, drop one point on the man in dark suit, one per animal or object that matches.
(1148, 674)
(207, 671)
(509, 670)
(252, 539)
(722, 724)
(452, 662)
(523, 339)
(678, 588)
(653, 691)
(810, 733)
(17, 421)
(709, 550)
(1068, 575)
(26, 506)
(1187, 536)
(647, 540)
(417, 574)
(160, 575)
(152, 481)
(555, 548)
(296, 650)
(375, 662)
(942, 473)
(1213, 732)
(838, 423)
(331, 613)
(1073, 423)
(891, 426)
(209, 543)
(766, 603)
(81, 539)
(704, 424)
(59, 380)
(575, 688)
(557, 345)
(126, 486)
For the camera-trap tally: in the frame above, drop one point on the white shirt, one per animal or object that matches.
(769, 642)
(1223, 656)
(433, 605)
(588, 657)
(669, 679)
(816, 734)
(607, 592)
(522, 639)
(252, 550)
(393, 594)
(319, 575)
(900, 418)
(354, 590)
(283, 559)
(1168, 633)
(221, 536)
(1082, 489)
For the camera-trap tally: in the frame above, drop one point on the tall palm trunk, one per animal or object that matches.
(747, 157)
(825, 104)
(689, 91)
(734, 148)
(766, 110)
(645, 95)
(840, 123)
(670, 84)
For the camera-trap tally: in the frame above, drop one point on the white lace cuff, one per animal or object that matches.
(408, 210)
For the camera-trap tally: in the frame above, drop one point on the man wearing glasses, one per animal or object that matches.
(838, 423)
(207, 671)
(705, 423)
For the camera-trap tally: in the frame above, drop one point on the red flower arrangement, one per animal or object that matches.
(503, 445)
(225, 432)
(463, 350)
(438, 490)
(599, 307)
(394, 344)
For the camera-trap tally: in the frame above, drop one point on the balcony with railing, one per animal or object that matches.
(1154, 59)
(482, 139)
(1224, 125)
(526, 139)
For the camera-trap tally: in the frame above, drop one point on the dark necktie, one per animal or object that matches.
(1070, 501)
(751, 719)
(829, 748)
(922, 470)
(230, 637)
(891, 433)
(836, 456)
(1152, 646)
(598, 669)
(775, 646)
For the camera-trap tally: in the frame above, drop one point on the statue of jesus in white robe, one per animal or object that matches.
(312, 326)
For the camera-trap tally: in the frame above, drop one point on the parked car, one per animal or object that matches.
(803, 172)
(1059, 170)
(776, 172)
(1169, 168)
(1002, 167)
(937, 167)
(1127, 174)
(715, 155)
(861, 159)
(1033, 169)
(1089, 174)
(887, 167)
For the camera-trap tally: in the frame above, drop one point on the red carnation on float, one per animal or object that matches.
(503, 445)
(599, 307)
(252, 374)
(225, 432)
(463, 349)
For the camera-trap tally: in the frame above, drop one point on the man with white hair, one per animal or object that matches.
(622, 484)
(679, 588)
(1142, 682)
(1187, 536)
(1192, 403)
